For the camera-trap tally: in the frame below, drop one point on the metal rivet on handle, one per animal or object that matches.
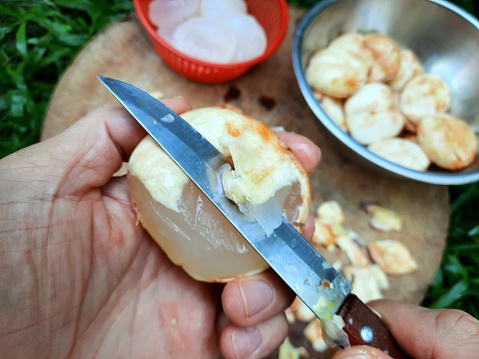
(367, 334)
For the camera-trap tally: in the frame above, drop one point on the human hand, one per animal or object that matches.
(80, 278)
(423, 333)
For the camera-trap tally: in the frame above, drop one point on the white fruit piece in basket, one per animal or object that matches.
(372, 114)
(206, 40)
(409, 68)
(402, 152)
(337, 73)
(334, 108)
(447, 140)
(387, 57)
(392, 256)
(168, 14)
(301, 311)
(187, 225)
(250, 36)
(218, 9)
(424, 95)
(383, 219)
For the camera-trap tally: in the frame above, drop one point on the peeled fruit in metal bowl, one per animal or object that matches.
(448, 141)
(263, 178)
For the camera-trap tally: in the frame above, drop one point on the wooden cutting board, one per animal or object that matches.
(268, 92)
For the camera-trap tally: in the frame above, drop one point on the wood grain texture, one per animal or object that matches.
(268, 92)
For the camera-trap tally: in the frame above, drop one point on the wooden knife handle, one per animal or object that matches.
(364, 327)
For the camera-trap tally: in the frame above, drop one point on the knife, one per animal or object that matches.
(324, 290)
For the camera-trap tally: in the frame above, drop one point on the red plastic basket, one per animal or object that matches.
(271, 14)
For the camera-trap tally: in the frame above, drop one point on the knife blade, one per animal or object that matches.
(323, 289)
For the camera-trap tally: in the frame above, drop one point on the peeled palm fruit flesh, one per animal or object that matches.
(372, 114)
(387, 57)
(424, 95)
(447, 140)
(401, 151)
(262, 177)
(336, 72)
(409, 68)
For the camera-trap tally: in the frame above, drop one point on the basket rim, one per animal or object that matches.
(272, 47)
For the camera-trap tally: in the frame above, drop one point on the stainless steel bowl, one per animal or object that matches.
(444, 37)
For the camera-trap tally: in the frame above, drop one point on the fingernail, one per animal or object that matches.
(245, 341)
(179, 96)
(352, 354)
(375, 311)
(257, 295)
(318, 151)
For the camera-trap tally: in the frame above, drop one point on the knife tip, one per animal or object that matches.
(101, 78)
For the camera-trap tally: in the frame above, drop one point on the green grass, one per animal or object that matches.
(39, 39)
(456, 284)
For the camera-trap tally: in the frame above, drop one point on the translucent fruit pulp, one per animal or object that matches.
(199, 238)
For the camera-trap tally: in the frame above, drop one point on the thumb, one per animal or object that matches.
(428, 334)
(361, 352)
(88, 153)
